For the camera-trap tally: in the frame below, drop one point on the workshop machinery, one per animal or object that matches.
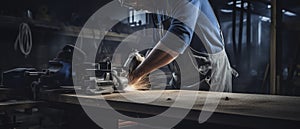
(28, 81)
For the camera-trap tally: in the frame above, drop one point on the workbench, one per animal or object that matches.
(238, 110)
(16, 112)
(8, 103)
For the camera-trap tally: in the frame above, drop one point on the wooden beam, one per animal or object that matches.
(273, 56)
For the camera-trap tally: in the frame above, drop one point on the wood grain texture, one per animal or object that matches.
(266, 106)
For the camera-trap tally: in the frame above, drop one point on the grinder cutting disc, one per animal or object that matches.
(135, 62)
(171, 71)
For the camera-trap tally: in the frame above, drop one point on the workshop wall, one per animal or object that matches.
(47, 40)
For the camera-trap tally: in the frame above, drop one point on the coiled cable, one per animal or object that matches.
(24, 39)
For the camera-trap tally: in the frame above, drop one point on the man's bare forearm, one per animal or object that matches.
(158, 57)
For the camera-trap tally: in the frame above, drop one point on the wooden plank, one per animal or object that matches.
(263, 106)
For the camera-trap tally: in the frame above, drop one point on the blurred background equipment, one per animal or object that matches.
(18, 80)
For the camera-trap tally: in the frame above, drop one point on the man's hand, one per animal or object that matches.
(157, 58)
(136, 80)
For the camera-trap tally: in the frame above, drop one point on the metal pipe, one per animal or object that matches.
(241, 29)
(249, 34)
(279, 46)
(273, 49)
(234, 29)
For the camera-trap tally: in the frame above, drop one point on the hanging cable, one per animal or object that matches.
(24, 39)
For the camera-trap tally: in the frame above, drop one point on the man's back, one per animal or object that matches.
(205, 37)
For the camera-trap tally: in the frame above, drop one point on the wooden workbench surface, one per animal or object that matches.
(263, 106)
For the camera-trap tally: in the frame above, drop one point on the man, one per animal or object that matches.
(189, 23)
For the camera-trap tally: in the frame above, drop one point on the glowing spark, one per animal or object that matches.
(130, 88)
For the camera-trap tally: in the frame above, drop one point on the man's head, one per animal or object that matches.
(139, 4)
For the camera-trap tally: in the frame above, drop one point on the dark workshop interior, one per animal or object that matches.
(37, 89)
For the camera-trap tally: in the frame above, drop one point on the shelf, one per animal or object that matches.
(35, 23)
(92, 33)
(61, 29)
